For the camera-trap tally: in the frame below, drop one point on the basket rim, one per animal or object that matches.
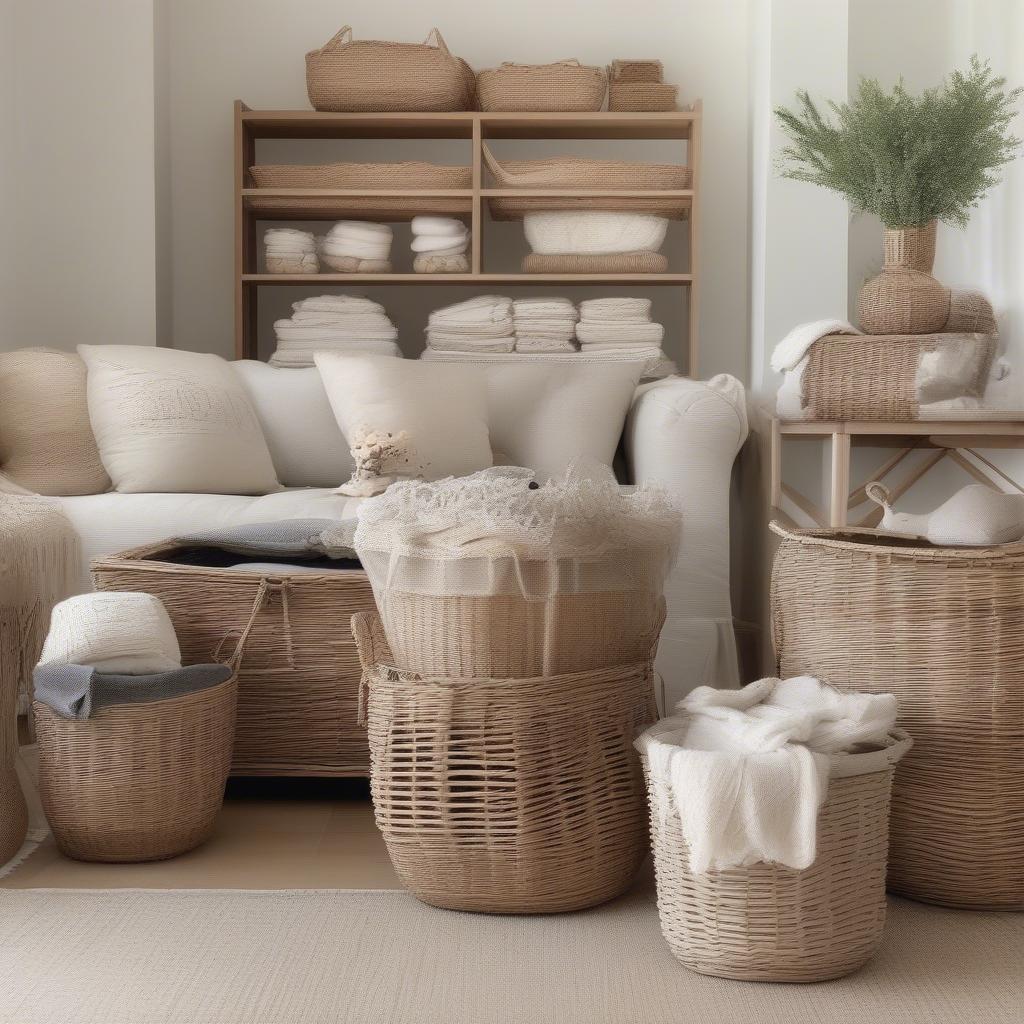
(391, 675)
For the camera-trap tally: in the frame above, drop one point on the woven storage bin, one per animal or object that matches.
(137, 782)
(575, 263)
(943, 629)
(863, 377)
(642, 96)
(510, 795)
(564, 85)
(371, 75)
(573, 172)
(298, 685)
(768, 922)
(414, 174)
(636, 70)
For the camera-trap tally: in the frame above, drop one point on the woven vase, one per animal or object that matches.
(904, 298)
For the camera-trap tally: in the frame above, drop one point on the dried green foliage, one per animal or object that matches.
(908, 159)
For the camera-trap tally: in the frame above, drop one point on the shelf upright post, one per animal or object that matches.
(477, 224)
(693, 158)
(245, 241)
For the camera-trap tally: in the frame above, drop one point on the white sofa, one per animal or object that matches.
(683, 434)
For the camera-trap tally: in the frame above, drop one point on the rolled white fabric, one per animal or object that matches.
(364, 249)
(438, 243)
(437, 226)
(127, 633)
(367, 230)
(289, 240)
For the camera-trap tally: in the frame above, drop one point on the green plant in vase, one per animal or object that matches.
(912, 161)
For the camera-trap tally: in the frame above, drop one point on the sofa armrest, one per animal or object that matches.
(684, 435)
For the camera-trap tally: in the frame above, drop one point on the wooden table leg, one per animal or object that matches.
(840, 491)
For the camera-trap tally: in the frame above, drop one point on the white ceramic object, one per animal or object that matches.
(593, 232)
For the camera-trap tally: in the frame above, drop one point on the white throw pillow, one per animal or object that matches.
(406, 418)
(167, 420)
(305, 442)
(546, 410)
(127, 633)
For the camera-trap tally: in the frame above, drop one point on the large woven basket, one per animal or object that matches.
(564, 85)
(414, 174)
(574, 172)
(768, 922)
(298, 684)
(642, 96)
(137, 782)
(508, 795)
(371, 75)
(943, 629)
(864, 378)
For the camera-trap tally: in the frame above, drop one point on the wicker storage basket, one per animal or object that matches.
(636, 70)
(768, 922)
(573, 172)
(616, 263)
(412, 174)
(510, 795)
(298, 685)
(564, 85)
(862, 377)
(943, 629)
(371, 75)
(137, 782)
(642, 96)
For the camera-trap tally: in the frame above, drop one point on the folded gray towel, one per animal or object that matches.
(288, 537)
(76, 691)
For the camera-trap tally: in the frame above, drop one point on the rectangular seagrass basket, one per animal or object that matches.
(564, 85)
(298, 682)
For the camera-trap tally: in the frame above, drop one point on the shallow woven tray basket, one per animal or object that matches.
(768, 922)
(574, 172)
(508, 795)
(564, 85)
(137, 782)
(943, 629)
(298, 684)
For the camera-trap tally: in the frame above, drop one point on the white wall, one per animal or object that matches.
(77, 116)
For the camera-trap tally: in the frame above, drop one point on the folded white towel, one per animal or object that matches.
(488, 333)
(615, 307)
(289, 240)
(423, 225)
(556, 304)
(344, 321)
(357, 247)
(336, 303)
(437, 243)
(544, 344)
(795, 345)
(367, 230)
(647, 334)
(457, 248)
(483, 309)
(286, 331)
(472, 345)
(293, 356)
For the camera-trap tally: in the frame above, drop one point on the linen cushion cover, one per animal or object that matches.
(46, 443)
(167, 420)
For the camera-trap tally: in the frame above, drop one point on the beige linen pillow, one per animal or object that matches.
(46, 443)
(173, 421)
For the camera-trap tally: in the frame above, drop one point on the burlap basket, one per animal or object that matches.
(641, 96)
(573, 172)
(508, 795)
(634, 70)
(564, 85)
(943, 629)
(298, 684)
(413, 174)
(866, 378)
(371, 75)
(769, 922)
(615, 263)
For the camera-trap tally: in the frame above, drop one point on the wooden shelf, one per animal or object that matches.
(564, 279)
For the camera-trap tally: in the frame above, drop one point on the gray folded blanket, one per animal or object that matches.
(76, 691)
(284, 537)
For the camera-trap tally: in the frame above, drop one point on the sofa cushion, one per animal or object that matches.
(167, 420)
(46, 443)
(305, 442)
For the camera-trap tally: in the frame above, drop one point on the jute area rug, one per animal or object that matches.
(132, 956)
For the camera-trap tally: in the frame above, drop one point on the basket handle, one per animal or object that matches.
(879, 494)
(338, 39)
(265, 588)
(438, 40)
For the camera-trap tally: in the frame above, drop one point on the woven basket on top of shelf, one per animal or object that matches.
(298, 684)
(943, 629)
(642, 96)
(574, 172)
(565, 85)
(624, 69)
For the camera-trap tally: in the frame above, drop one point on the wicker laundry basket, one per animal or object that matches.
(371, 75)
(768, 922)
(411, 174)
(298, 685)
(863, 377)
(573, 172)
(943, 629)
(508, 795)
(564, 85)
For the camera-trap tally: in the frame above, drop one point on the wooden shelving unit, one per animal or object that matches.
(477, 128)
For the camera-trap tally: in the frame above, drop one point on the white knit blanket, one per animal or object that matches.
(795, 345)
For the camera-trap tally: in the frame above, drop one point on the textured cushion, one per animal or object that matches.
(46, 443)
(167, 420)
(305, 442)
(404, 417)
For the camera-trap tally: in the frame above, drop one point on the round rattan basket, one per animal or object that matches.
(943, 629)
(768, 922)
(564, 85)
(508, 796)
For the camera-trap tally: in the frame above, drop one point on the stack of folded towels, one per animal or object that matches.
(290, 252)
(358, 247)
(621, 327)
(439, 245)
(545, 325)
(483, 324)
(333, 323)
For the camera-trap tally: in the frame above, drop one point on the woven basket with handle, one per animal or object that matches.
(943, 629)
(372, 75)
(564, 85)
